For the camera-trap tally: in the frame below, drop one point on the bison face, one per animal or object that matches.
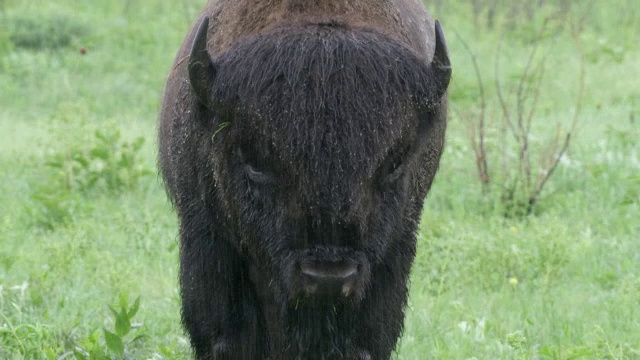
(321, 207)
(322, 141)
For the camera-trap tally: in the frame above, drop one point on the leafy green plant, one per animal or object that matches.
(104, 163)
(109, 163)
(53, 203)
(43, 31)
(117, 340)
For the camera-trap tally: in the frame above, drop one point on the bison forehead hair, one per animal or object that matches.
(330, 99)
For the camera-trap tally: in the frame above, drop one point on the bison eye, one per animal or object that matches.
(395, 171)
(394, 166)
(258, 176)
(255, 168)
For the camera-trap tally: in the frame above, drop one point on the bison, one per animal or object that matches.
(297, 142)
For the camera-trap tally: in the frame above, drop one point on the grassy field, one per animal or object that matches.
(85, 227)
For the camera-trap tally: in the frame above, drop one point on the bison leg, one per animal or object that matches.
(218, 306)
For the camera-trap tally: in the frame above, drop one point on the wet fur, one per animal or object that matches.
(283, 94)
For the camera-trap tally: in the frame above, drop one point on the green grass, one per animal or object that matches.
(562, 283)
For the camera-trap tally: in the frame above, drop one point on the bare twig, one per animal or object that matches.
(536, 96)
(478, 136)
(501, 100)
(525, 86)
(546, 174)
(519, 120)
(518, 102)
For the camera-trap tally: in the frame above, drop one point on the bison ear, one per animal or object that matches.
(440, 65)
(202, 71)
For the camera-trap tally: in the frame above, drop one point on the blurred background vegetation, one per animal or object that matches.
(529, 241)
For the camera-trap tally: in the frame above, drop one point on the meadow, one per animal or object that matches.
(88, 247)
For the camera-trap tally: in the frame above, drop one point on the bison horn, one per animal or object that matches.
(201, 69)
(441, 66)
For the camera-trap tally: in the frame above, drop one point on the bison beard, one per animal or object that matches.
(298, 161)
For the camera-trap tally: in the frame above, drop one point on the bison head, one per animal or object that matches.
(320, 143)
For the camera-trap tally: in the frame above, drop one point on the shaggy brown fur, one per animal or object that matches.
(301, 133)
(406, 20)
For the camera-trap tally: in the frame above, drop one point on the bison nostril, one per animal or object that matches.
(329, 278)
(331, 270)
(347, 289)
(311, 289)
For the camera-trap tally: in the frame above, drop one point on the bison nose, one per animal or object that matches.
(329, 278)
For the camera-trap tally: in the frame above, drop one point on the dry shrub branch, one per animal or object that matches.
(519, 180)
